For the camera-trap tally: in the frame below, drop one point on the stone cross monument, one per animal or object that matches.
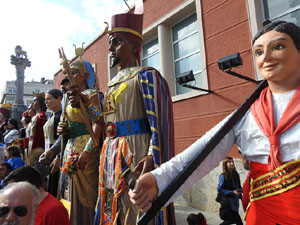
(20, 61)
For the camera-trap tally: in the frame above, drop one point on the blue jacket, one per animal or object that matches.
(16, 162)
(226, 188)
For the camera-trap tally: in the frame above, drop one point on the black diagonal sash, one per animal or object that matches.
(192, 165)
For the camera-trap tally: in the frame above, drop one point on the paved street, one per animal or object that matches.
(182, 213)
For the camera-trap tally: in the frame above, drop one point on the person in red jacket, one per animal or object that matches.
(50, 210)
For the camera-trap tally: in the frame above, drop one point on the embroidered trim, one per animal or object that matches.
(89, 147)
(127, 30)
(94, 111)
(278, 181)
(124, 75)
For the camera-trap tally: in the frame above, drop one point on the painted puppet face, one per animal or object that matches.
(277, 57)
(122, 50)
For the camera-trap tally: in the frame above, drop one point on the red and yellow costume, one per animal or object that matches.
(275, 185)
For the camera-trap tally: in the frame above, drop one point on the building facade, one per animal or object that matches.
(184, 35)
(8, 94)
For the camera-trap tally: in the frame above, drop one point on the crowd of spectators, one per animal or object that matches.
(21, 173)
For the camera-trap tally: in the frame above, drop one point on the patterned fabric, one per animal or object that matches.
(113, 177)
(77, 129)
(281, 208)
(278, 181)
(124, 75)
(94, 112)
(81, 190)
(134, 93)
(160, 113)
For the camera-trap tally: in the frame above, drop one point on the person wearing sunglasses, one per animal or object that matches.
(18, 204)
(50, 210)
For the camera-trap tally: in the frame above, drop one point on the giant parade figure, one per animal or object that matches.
(267, 134)
(139, 124)
(83, 122)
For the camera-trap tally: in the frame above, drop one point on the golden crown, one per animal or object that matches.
(79, 51)
(39, 95)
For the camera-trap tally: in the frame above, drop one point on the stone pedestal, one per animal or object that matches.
(20, 61)
(17, 111)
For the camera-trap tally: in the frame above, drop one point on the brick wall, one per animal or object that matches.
(226, 31)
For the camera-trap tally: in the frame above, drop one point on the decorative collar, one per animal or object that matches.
(125, 74)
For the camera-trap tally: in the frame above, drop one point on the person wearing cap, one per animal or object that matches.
(11, 133)
(79, 186)
(139, 123)
(65, 85)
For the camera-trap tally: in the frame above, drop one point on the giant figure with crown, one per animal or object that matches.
(79, 183)
(139, 124)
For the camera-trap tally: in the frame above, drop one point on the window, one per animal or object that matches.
(151, 55)
(174, 32)
(11, 90)
(10, 101)
(288, 10)
(10, 97)
(260, 10)
(112, 72)
(187, 51)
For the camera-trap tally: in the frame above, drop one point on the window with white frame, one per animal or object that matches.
(187, 51)
(288, 10)
(180, 39)
(260, 10)
(11, 90)
(151, 55)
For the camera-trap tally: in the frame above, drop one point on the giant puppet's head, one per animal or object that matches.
(38, 103)
(5, 111)
(128, 26)
(84, 69)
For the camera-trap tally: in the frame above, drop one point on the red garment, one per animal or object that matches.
(52, 212)
(38, 140)
(246, 190)
(263, 113)
(204, 222)
(278, 209)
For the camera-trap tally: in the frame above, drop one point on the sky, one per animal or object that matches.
(40, 27)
